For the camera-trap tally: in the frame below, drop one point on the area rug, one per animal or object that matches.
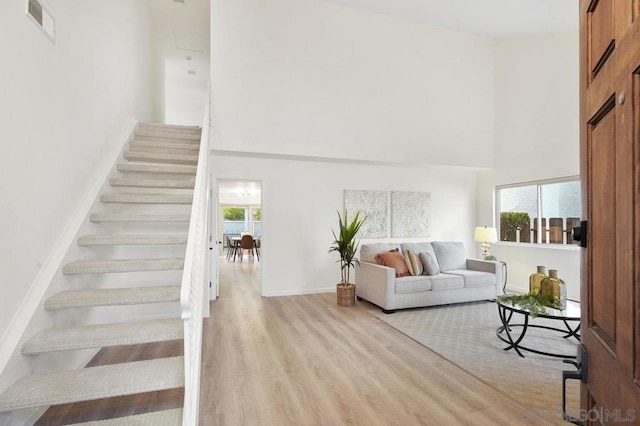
(465, 334)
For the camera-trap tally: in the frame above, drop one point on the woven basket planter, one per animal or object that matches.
(346, 294)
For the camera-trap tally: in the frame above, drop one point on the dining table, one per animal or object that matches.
(255, 246)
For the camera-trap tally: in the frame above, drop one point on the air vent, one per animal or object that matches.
(35, 10)
(42, 18)
(179, 1)
(191, 72)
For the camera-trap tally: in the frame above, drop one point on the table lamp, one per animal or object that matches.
(486, 235)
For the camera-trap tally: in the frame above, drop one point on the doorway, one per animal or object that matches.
(239, 212)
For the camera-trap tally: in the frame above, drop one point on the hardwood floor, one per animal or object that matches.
(302, 360)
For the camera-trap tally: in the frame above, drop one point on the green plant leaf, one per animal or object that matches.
(535, 303)
(345, 243)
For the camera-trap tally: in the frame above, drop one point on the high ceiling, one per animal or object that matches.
(492, 18)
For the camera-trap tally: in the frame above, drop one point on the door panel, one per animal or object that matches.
(603, 200)
(601, 33)
(610, 158)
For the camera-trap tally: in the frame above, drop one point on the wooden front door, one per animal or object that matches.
(610, 158)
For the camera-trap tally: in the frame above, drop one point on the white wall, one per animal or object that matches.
(536, 108)
(537, 137)
(183, 92)
(311, 78)
(62, 109)
(299, 204)
(314, 79)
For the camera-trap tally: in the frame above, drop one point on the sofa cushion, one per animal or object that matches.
(368, 252)
(412, 284)
(424, 247)
(446, 282)
(429, 263)
(451, 255)
(393, 259)
(414, 264)
(474, 279)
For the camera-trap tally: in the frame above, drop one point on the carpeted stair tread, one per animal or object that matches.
(156, 418)
(153, 183)
(147, 198)
(155, 157)
(122, 265)
(155, 146)
(160, 169)
(166, 136)
(131, 217)
(168, 128)
(103, 335)
(178, 149)
(112, 297)
(167, 140)
(63, 387)
(130, 239)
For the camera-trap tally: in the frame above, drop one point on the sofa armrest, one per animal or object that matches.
(376, 283)
(491, 266)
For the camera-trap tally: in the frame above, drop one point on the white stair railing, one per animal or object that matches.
(195, 279)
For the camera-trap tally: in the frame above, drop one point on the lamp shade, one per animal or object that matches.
(486, 234)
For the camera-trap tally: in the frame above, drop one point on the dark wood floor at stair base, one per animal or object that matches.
(304, 360)
(124, 405)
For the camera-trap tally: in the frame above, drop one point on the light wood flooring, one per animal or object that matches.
(302, 360)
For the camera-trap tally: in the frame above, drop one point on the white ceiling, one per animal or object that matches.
(492, 18)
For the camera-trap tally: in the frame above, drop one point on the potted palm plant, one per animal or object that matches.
(346, 245)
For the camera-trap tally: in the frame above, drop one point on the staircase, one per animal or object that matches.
(142, 229)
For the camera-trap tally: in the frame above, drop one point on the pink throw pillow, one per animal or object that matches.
(393, 259)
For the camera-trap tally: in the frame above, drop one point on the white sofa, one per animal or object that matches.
(458, 280)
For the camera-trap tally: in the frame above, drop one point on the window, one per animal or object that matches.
(238, 220)
(539, 212)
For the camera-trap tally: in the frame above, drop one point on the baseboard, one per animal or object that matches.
(301, 292)
(33, 300)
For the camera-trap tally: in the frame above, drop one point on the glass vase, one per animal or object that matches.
(555, 287)
(535, 280)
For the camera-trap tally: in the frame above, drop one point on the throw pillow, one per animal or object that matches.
(430, 263)
(393, 259)
(414, 263)
(450, 255)
(407, 261)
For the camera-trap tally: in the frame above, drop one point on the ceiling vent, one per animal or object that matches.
(179, 1)
(42, 18)
(191, 72)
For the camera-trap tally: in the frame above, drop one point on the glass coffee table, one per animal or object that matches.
(570, 317)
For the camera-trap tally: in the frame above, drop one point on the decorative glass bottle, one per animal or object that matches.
(554, 286)
(536, 279)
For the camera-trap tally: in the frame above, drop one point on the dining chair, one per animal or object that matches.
(232, 249)
(246, 243)
(257, 243)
